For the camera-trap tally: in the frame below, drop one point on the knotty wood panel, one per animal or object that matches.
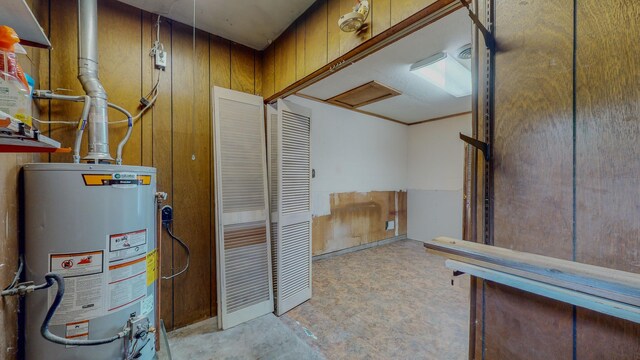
(191, 160)
(380, 16)
(257, 88)
(149, 76)
(532, 162)
(607, 166)
(315, 51)
(242, 68)
(285, 59)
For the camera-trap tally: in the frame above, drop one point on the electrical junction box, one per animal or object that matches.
(161, 60)
(390, 225)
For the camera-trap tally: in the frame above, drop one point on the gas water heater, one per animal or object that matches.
(94, 225)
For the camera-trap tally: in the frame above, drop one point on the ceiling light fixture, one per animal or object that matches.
(446, 73)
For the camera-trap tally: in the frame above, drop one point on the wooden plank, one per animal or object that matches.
(349, 40)
(380, 16)
(285, 59)
(191, 160)
(364, 94)
(607, 198)
(315, 51)
(268, 71)
(595, 280)
(242, 69)
(333, 31)
(121, 72)
(402, 9)
(586, 301)
(220, 61)
(300, 46)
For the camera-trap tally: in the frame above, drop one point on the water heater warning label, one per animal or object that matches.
(84, 286)
(126, 245)
(127, 282)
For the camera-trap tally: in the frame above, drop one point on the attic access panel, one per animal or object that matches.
(365, 94)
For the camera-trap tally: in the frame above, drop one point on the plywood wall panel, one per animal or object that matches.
(607, 166)
(257, 87)
(402, 213)
(402, 9)
(514, 332)
(220, 61)
(191, 160)
(149, 76)
(162, 155)
(268, 71)
(124, 66)
(63, 74)
(315, 52)
(380, 16)
(242, 68)
(532, 188)
(285, 59)
(333, 31)
(300, 47)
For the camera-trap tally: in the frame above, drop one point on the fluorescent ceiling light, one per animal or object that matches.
(446, 73)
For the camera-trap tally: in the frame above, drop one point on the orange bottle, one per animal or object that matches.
(15, 98)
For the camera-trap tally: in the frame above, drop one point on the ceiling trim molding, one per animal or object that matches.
(415, 22)
(439, 118)
(313, 98)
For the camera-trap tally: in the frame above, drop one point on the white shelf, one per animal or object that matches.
(17, 15)
(18, 137)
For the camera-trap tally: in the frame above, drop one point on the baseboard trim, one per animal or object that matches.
(360, 247)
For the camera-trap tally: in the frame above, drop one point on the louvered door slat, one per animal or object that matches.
(243, 245)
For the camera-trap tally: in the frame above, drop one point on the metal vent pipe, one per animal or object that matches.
(88, 76)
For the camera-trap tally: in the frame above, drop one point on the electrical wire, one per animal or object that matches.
(186, 249)
(16, 278)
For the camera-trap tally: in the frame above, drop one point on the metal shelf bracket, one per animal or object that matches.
(480, 145)
(489, 40)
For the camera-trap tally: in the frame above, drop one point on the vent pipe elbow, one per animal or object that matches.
(88, 75)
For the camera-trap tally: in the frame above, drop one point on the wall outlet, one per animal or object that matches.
(390, 225)
(161, 60)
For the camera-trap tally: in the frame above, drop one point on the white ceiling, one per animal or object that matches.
(419, 100)
(254, 23)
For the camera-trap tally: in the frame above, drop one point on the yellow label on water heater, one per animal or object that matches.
(152, 267)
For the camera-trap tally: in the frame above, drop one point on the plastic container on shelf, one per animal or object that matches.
(15, 96)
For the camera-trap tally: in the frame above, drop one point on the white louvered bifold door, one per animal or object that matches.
(293, 251)
(272, 158)
(242, 222)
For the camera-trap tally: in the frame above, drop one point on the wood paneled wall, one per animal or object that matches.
(315, 39)
(163, 138)
(565, 170)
